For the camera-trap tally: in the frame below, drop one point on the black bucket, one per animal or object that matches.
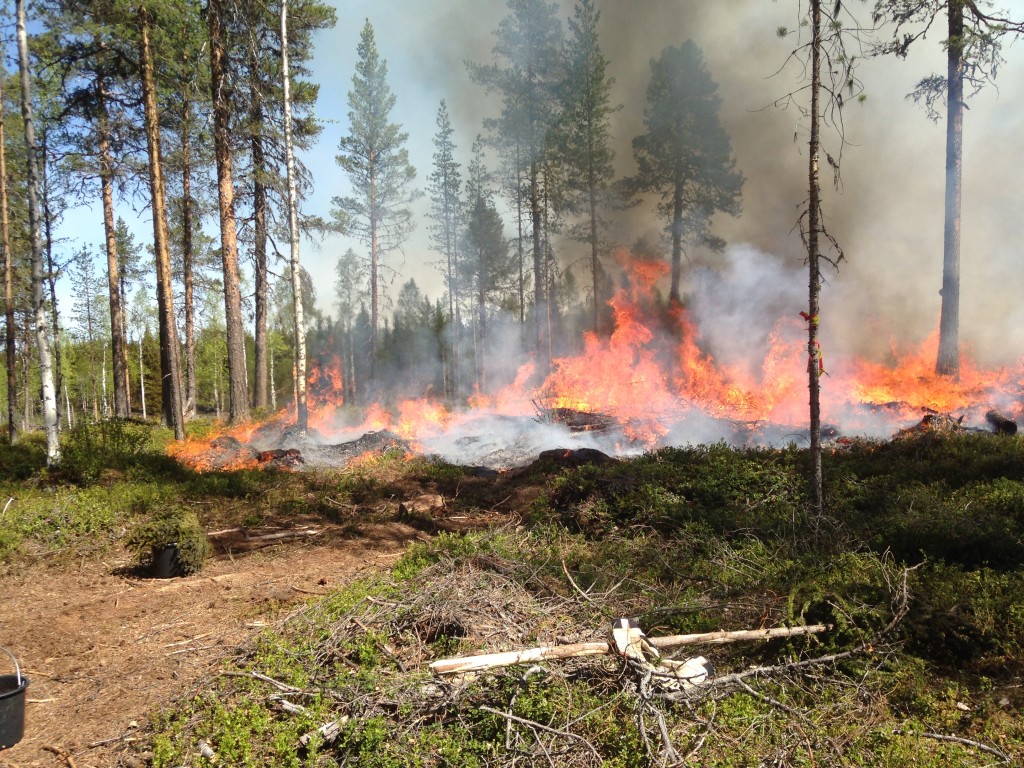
(12, 705)
(167, 562)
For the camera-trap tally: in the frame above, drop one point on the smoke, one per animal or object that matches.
(885, 209)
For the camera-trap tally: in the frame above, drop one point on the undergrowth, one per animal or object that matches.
(927, 530)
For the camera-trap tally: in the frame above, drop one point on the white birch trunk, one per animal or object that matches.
(301, 415)
(40, 318)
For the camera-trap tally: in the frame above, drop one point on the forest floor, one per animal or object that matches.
(103, 648)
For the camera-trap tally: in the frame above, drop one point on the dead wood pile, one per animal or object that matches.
(486, 602)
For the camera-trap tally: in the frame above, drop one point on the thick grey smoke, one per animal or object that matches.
(886, 211)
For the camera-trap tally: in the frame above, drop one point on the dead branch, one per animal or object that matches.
(540, 727)
(328, 731)
(207, 751)
(965, 742)
(281, 535)
(510, 658)
(576, 586)
(576, 650)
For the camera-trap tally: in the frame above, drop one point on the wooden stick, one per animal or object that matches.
(737, 635)
(510, 658)
(576, 650)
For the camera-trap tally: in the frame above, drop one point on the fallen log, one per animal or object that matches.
(577, 650)
(1001, 424)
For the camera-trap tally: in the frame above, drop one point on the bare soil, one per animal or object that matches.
(104, 648)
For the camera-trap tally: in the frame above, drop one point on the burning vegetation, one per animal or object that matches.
(649, 383)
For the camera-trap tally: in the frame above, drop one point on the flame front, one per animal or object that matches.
(654, 372)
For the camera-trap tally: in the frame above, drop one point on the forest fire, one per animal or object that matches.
(648, 384)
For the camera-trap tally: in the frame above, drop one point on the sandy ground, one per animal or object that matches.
(104, 649)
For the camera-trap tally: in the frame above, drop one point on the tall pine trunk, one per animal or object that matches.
(10, 332)
(188, 260)
(259, 209)
(119, 354)
(948, 361)
(595, 263)
(238, 388)
(814, 266)
(301, 413)
(38, 302)
(677, 233)
(540, 310)
(170, 364)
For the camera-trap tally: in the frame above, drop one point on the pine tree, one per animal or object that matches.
(446, 210)
(351, 277)
(377, 163)
(973, 53)
(528, 74)
(486, 270)
(238, 387)
(585, 137)
(170, 364)
(684, 156)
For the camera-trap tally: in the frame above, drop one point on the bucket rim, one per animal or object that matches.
(17, 669)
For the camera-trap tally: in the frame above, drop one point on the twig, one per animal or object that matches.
(961, 740)
(575, 586)
(737, 677)
(62, 754)
(259, 676)
(549, 729)
(102, 742)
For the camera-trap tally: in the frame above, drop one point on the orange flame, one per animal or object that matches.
(653, 370)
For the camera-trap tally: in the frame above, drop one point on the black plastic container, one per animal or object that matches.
(12, 705)
(166, 562)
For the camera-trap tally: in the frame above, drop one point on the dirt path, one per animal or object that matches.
(103, 650)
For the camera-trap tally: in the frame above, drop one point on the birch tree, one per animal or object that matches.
(35, 235)
(10, 331)
(301, 413)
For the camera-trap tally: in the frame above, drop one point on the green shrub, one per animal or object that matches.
(89, 448)
(173, 526)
